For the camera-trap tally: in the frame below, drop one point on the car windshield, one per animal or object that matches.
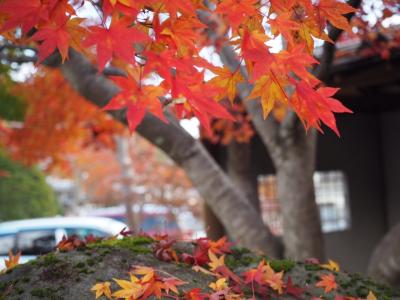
(83, 232)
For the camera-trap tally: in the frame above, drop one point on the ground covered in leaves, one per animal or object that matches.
(143, 267)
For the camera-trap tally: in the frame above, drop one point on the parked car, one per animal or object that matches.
(34, 237)
(154, 219)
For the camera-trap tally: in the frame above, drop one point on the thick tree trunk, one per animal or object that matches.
(239, 170)
(293, 153)
(300, 215)
(214, 228)
(384, 265)
(240, 219)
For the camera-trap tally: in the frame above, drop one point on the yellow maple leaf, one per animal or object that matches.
(371, 296)
(102, 288)
(147, 273)
(226, 80)
(220, 285)
(331, 265)
(215, 262)
(270, 90)
(274, 279)
(129, 289)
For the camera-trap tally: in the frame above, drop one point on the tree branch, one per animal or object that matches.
(323, 70)
(228, 203)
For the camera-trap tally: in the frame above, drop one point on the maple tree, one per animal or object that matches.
(154, 52)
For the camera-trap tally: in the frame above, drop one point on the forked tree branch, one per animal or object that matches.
(240, 219)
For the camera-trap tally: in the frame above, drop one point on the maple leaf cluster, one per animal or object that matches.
(163, 41)
(264, 280)
(209, 257)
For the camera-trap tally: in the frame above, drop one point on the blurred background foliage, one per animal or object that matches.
(24, 192)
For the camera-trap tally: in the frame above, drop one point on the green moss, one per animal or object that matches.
(45, 293)
(241, 257)
(135, 244)
(49, 260)
(312, 267)
(26, 279)
(80, 265)
(91, 262)
(282, 265)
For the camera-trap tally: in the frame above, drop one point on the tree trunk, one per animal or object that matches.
(302, 233)
(293, 153)
(384, 265)
(239, 170)
(214, 228)
(125, 163)
(240, 219)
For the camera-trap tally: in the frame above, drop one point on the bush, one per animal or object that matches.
(24, 192)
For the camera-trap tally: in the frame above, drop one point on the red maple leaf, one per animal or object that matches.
(28, 13)
(53, 36)
(118, 40)
(137, 99)
(293, 290)
(195, 294)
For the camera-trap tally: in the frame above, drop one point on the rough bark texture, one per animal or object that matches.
(293, 152)
(300, 215)
(227, 202)
(214, 228)
(239, 170)
(385, 260)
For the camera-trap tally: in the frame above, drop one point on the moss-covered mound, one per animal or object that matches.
(72, 274)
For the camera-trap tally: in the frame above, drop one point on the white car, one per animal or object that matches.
(34, 237)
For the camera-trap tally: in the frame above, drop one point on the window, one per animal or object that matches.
(36, 242)
(331, 194)
(84, 232)
(6, 243)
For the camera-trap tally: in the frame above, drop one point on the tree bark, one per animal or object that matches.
(125, 163)
(214, 228)
(300, 214)
(293, 153)
(239, 170)
(384, 265)
(230, 205)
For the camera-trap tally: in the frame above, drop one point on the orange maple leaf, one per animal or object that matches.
(236, 11)
(226, 80)
(327, 282)
(333, 11)
(12, 261)
(272, 278)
